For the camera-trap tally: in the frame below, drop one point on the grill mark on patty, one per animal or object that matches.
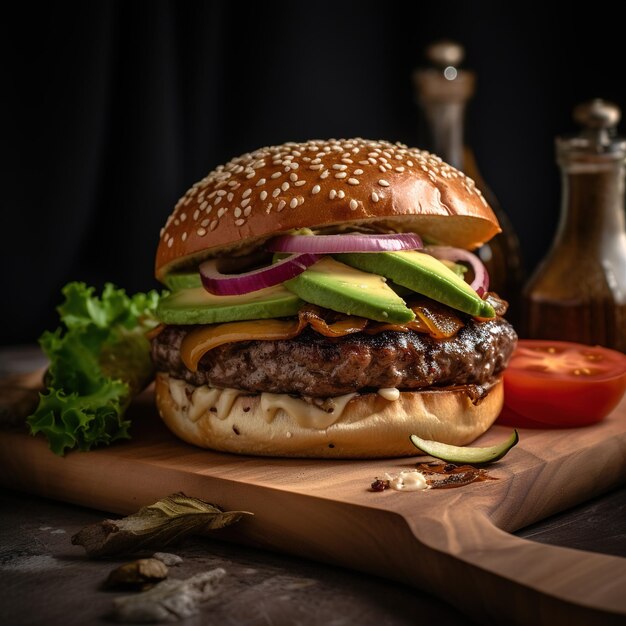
(313, 365)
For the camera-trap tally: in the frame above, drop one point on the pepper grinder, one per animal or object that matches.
(578, 293)
(443, 89)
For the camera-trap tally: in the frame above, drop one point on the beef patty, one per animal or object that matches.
(318, 366)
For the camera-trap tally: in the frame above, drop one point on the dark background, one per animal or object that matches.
(112, 109)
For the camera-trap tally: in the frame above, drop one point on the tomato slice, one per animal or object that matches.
(558, 384)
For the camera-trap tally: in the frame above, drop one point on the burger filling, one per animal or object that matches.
(315, 365)
(336, 324)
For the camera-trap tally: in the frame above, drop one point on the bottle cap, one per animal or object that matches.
(443, 79)
(598, 119)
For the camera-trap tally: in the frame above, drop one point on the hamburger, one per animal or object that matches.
(323, 304)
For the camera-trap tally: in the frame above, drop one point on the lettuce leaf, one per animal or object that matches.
(98, 361)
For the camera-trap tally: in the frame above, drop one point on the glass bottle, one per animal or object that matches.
(443, 90)
(578, 292)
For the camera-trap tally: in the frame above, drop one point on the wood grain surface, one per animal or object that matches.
(452, 543)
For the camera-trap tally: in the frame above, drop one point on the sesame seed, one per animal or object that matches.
(341, 194)
(237, 214)
(221, 193)
(245, 202)
(184, 237)
(251, 175)
(299, 183)
(372, 160)
(208, 209)
(275, 192)
(221, 212)
(324, 174)
(201, 232)
(345, 160)
(354, 205)
(196, 215)
(204, 223)
(383, 183)
(340, 175)
(246, 193)
(170, 242)
(358, 172)
(281, 205)
(263, 195)
(276, 174)
(293, 177)
(332, 195)
(375, 197)
(315, 189)
(300, 200)
(382, 168)
(399, 169)
(363, 162)
(317, 166)
(353, 181)
(230, 196)
(315, 161)
(285, 186)
(213, 225)
(260, 182)
(409, 163)
(339, 166)
(247, 211)
(240, 222)
(294, 203)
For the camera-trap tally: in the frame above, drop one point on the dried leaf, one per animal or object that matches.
(169, 601)
(155, 526)
(139, 575)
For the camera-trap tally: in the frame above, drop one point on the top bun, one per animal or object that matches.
(323, 183)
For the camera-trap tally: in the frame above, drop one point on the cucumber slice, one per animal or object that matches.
(461, 454)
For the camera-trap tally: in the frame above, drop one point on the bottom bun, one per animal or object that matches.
(367, 426)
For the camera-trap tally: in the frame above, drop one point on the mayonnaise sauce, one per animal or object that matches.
(407, 480)
(196, 402)
(389, 393)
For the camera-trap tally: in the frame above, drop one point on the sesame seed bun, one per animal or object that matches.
(323, 183)
(369, 426)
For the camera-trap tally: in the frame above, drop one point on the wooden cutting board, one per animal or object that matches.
(453, 543)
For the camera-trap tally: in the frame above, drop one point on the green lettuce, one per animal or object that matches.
(98, 361)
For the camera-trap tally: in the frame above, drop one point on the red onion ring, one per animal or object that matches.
(480, 284)
(235, 284)
(336, 244)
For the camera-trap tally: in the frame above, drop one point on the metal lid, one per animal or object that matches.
(598, 119)
(442, 79)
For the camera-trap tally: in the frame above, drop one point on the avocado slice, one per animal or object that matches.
(198, 306)
(183, 280)
(333, 285)
(423, 274)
